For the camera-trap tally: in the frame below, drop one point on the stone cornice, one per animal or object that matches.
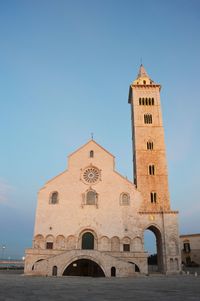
(158, 212)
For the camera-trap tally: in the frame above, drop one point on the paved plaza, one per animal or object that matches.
(157, 287)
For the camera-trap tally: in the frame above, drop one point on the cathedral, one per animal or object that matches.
(90, 220)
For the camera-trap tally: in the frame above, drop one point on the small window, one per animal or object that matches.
(140, 102)
(54, 198)
(91, 197)
(153, 197)
(126, 247)
(124, 199)
(186, 247)
(152, 101)
(91, 154)
(146, 102)
(49, 245)
(151, 170)
(143, 101)
(144, 82)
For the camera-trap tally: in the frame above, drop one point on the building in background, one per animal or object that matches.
(190, 249)
(90, 220)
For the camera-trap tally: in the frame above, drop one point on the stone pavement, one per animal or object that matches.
(151, 288)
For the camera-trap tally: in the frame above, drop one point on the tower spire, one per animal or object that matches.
(142, 72)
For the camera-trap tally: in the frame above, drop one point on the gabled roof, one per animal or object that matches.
(91, 141)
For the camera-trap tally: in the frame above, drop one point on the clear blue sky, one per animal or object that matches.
(65, 70)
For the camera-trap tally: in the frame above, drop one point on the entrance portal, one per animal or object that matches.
(84, 267)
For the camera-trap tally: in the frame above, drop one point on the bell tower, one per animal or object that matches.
(149, 156)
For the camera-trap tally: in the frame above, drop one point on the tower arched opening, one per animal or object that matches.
(153, 245)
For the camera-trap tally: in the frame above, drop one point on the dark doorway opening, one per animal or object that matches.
(84, 267)
(113, 272)
(88, 241)
(54, 270)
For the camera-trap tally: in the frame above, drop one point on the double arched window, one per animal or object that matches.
(153, 197)
(151, 170)
(53, 198)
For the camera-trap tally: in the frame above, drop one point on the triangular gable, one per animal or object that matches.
(87, 144)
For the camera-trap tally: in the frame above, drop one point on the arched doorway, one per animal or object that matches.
(88, 241)
(113, 272)
(54, 270)
(153, 244)
(84, 267)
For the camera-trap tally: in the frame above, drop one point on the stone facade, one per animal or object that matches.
(90, 220)
(190, 249)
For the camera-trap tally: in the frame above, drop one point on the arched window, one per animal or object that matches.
(153, 197)
(143, 101)
(152, 101)
(54, 198)
(91, 154)
(144, 82)
(88, 241)
(91, 197)
(124, 199)
(151, 170)
(146, 101)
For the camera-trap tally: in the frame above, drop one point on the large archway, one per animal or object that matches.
(84, 267)
(153, 244)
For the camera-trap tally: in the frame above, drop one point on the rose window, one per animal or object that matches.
(91, 175)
